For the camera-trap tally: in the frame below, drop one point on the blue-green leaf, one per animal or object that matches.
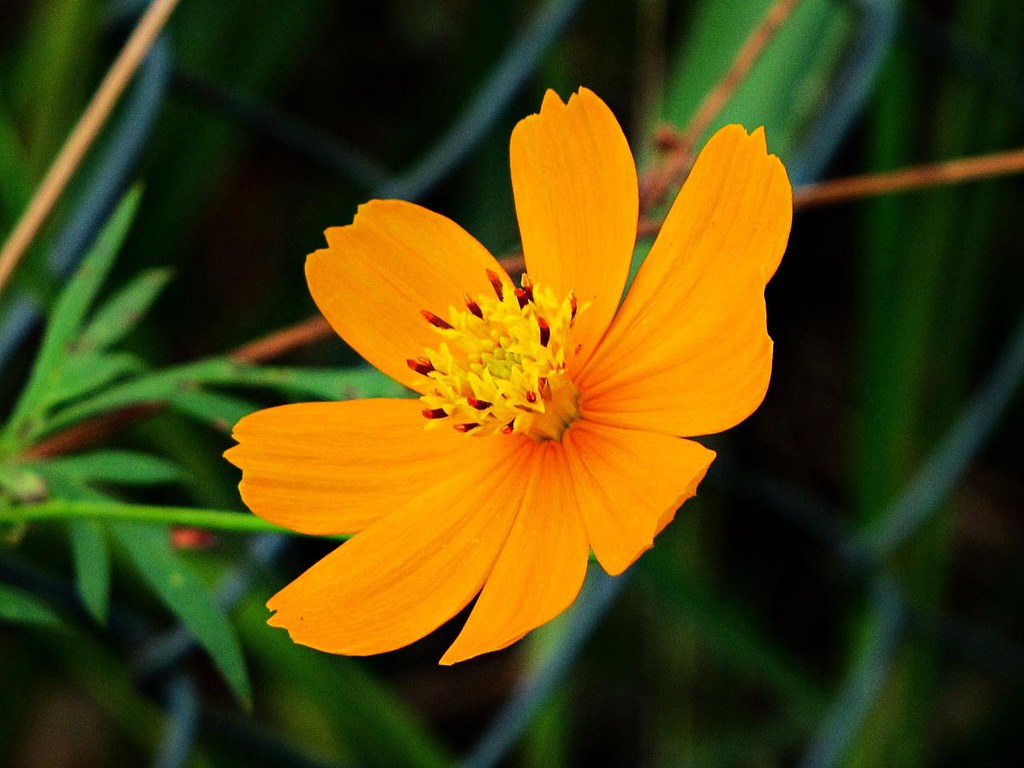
(19, 607)
(188, 598)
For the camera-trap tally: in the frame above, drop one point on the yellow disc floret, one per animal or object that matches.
(501, 364)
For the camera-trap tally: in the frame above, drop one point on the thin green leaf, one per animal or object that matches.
(336, 383)
(68, 313)
(89, 547)
(730, 634)
(783, 88)
(82, 374)
(16, 181)
(53, 73)
(19, 607)
(116, 318)
(221, 412)
(188, 598)
(378, 727)
(163, 386)
(117, 467)
(92, 566)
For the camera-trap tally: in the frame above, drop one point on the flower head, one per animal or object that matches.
(552, 421)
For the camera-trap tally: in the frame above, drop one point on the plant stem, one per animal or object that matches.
(213, 519)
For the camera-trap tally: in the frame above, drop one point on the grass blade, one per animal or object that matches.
(92, 566)
(20, 607)
(188, 598)
(70, 310)
(122, 312)
(118, 467)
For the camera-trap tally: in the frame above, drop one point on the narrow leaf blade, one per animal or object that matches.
(71, 308)
(92, 566)
(20, 607)
(118, 467)
(219, 411)
(188, 598)
(122, 312)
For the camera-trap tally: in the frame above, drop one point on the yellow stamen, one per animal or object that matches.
(501, 366)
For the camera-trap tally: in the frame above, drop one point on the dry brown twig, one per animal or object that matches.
(908, 179)
(681, 145)
(679, 148)
(83, 135)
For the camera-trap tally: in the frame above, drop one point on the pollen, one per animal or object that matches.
(500, 366)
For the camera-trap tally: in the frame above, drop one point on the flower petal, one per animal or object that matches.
(379, 272)
(576, 198)
(329, 468)
(689, 352)
(415, 568)
(541, 567)
(629, 484)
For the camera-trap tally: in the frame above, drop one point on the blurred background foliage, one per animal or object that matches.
(847, 589)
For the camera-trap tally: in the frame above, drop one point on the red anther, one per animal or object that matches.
(531, 396)
(436, 321)
(480, 405)
(434, 413)
(421, 365)
(545, 331)
(496, 283)
(573, 306)
(527, 284)
(508, 428)
(472, 306)
(522, 297)
(464, 427)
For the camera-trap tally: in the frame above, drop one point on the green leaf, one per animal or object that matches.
(221, 412)
(783, 89)
(122, 312)
(729, 632)
(188, 598)
(84, 373)
(117, 467)
(301, 383)
(378, 727)
(335, 383)
(16, 181)
(92, 566)
(68, 313)
(164, 386)
(53, 73)
(19, 607)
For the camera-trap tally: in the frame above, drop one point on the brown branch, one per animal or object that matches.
(87, 432)
(906, 179)
(285, 340)
(83, 135)
(682, 145)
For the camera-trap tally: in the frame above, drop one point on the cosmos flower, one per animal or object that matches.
(552, 421)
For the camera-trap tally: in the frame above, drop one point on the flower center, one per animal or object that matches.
(501, 364)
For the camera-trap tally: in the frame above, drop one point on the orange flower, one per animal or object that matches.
(555, 419)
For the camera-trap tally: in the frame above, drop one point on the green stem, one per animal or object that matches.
(214, 519)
